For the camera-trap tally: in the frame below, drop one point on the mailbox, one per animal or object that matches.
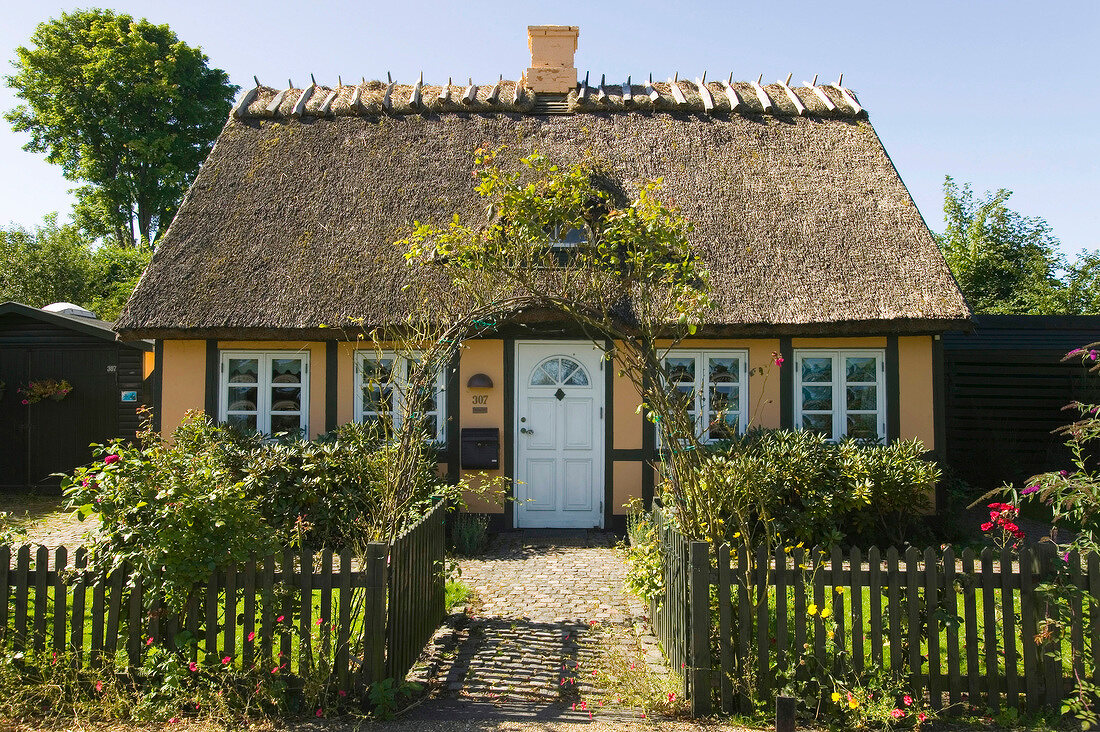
(481, 448)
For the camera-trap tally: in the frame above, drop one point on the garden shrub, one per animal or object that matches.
(806, 489)
(212, 495)
(469, 533)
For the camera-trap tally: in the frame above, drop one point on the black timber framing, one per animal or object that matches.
(608, 434)
(332, 374)
(786, 383)
(508, 468)
(158, 384)
(212, 367)
(893, 390)
(453, 450)
(649, 450)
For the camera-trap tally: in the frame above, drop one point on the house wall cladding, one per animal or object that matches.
(1006, 387)
(49, 437)
(630, 443)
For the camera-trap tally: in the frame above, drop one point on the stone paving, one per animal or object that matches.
(540, 596)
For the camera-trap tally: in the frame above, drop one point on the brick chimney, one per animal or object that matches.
(552, 48)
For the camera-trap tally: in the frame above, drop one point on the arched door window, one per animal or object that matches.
(559, 371)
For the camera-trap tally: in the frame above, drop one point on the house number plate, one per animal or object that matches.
(480, 403)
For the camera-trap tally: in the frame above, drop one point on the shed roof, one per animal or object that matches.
(799, 214)
(88, 326)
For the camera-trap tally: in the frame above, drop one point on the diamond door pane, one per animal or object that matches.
(822, 423)
(817, 397)
(818, 370)
(864, 426)
(723, 397)
(376, 399)
(243, 371)
(286, 371)
(862, 397)
(861, 368)
(377, 370)
(242, 398)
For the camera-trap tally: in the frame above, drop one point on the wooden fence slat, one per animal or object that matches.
(22, 574)
(99, 589)
(1077, 624)
(1008, 624)
(1094, 614)
(374, 633)
(76, 626)
(893, 605)
(305, 615)
(248, 630)
(268, 611)
(135, 637)
(210, 620)
(799, 587)
(951, 627)
(699, 594)
(760, 621)
(970, 620)
(874, 592)
(1050, 661)
(229, 642)
(839, 643)
(287, 613)
(325, 617)
(990, 632)
(344, 625)
(855, 602)
(744, 626)
(192, 623)
(912, 576)
(781, 642)
(41, 595)
(115, 582)
(819, 603)
(931, 613)
(60, 598)
(5, 590)
(725, 629)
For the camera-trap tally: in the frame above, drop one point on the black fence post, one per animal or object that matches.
(699, 661)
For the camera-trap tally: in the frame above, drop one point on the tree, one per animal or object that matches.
(56, 263)
(1080, 293)
(124, 107)
(1005, 263)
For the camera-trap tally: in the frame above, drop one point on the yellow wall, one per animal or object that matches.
(627, 427)
(626, 484)
(482, 357)
(915, 398)
(183, 381)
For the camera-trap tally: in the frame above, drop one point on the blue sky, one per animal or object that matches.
(1000, 94)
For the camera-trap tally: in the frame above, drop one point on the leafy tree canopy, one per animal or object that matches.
(1005, 263)
(124, 107)
(56, 263)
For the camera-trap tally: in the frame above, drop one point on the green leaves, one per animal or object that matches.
(125, 107)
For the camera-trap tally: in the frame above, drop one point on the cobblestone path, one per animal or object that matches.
(538, 595)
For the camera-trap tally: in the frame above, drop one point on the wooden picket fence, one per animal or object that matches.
(956, 630)
(364, 619)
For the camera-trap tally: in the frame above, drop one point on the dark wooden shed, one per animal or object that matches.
(50, 436)
(1006, 386)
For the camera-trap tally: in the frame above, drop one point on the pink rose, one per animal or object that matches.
(111, 459)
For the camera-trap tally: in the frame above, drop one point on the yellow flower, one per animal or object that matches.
(812, 609)
(840, 590)
(836, 696)
(825, 612)
(852, 702)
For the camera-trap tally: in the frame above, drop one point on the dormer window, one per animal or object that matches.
(563, 237)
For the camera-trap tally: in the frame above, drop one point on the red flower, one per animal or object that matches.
(99, 686)
(193, 666)
(251, 635)
(279, 619)
(987, 526)
(111, 459)
(319, 713)
(226, 660)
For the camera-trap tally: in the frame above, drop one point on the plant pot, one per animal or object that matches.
(58, 397)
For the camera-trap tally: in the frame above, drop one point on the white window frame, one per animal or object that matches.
(702, 386)
(839, 387)
(264, 386)
(401, 369)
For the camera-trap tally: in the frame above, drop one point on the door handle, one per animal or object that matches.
(525, 431)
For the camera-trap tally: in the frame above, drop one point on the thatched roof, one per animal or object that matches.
(802, 219)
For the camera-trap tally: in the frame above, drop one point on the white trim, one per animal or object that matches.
(839, 384)
(399, 367)
(263, 406)
(702, 386)
(522, 373)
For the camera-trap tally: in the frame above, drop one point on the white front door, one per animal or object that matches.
(559, 435)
